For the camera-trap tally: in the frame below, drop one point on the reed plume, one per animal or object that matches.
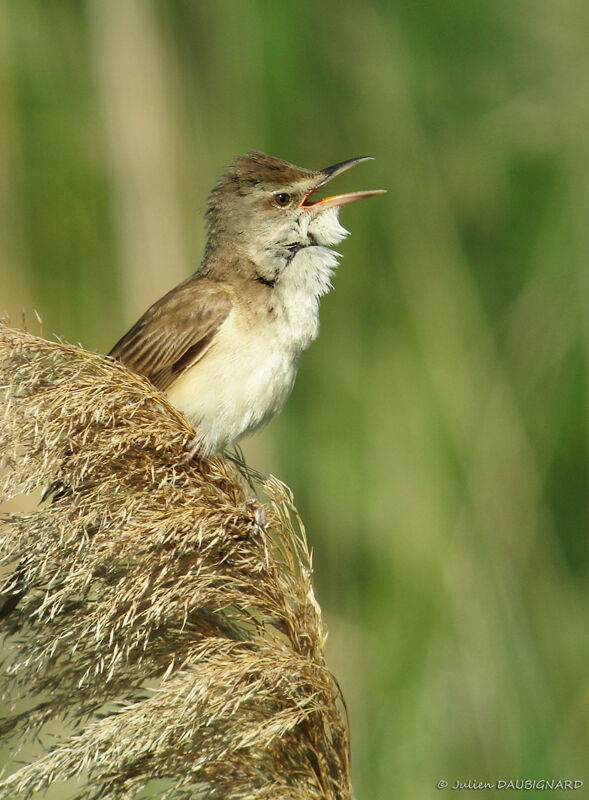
(155, 605)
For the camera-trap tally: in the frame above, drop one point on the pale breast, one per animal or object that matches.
(243, 379)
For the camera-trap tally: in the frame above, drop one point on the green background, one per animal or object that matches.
(437, 437)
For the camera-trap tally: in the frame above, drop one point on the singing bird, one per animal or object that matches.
(225, 344)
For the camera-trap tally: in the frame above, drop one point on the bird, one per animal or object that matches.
(224, 345)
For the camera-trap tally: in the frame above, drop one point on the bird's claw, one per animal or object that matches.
(259, 523)
(194, 447)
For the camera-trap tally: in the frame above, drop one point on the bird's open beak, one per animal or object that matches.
(339, 199)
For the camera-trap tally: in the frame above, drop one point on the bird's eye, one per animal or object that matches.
(282, 199)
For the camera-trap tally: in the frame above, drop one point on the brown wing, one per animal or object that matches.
(175, 332)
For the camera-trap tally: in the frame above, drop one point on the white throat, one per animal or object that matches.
(307, 277)
(310, 270)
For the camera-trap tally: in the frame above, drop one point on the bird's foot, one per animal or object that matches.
(194, 448)
(259, 522)
(259, 514)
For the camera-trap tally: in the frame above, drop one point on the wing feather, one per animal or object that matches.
(174, 332)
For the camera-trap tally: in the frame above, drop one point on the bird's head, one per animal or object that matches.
(263, 211)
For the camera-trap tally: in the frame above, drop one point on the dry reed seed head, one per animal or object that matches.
(139, 567)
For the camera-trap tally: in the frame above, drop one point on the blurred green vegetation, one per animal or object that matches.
(437, 438)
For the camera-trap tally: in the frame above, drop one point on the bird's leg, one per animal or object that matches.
(252, 476)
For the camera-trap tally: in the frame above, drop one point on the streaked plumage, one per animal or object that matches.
(175, 332)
